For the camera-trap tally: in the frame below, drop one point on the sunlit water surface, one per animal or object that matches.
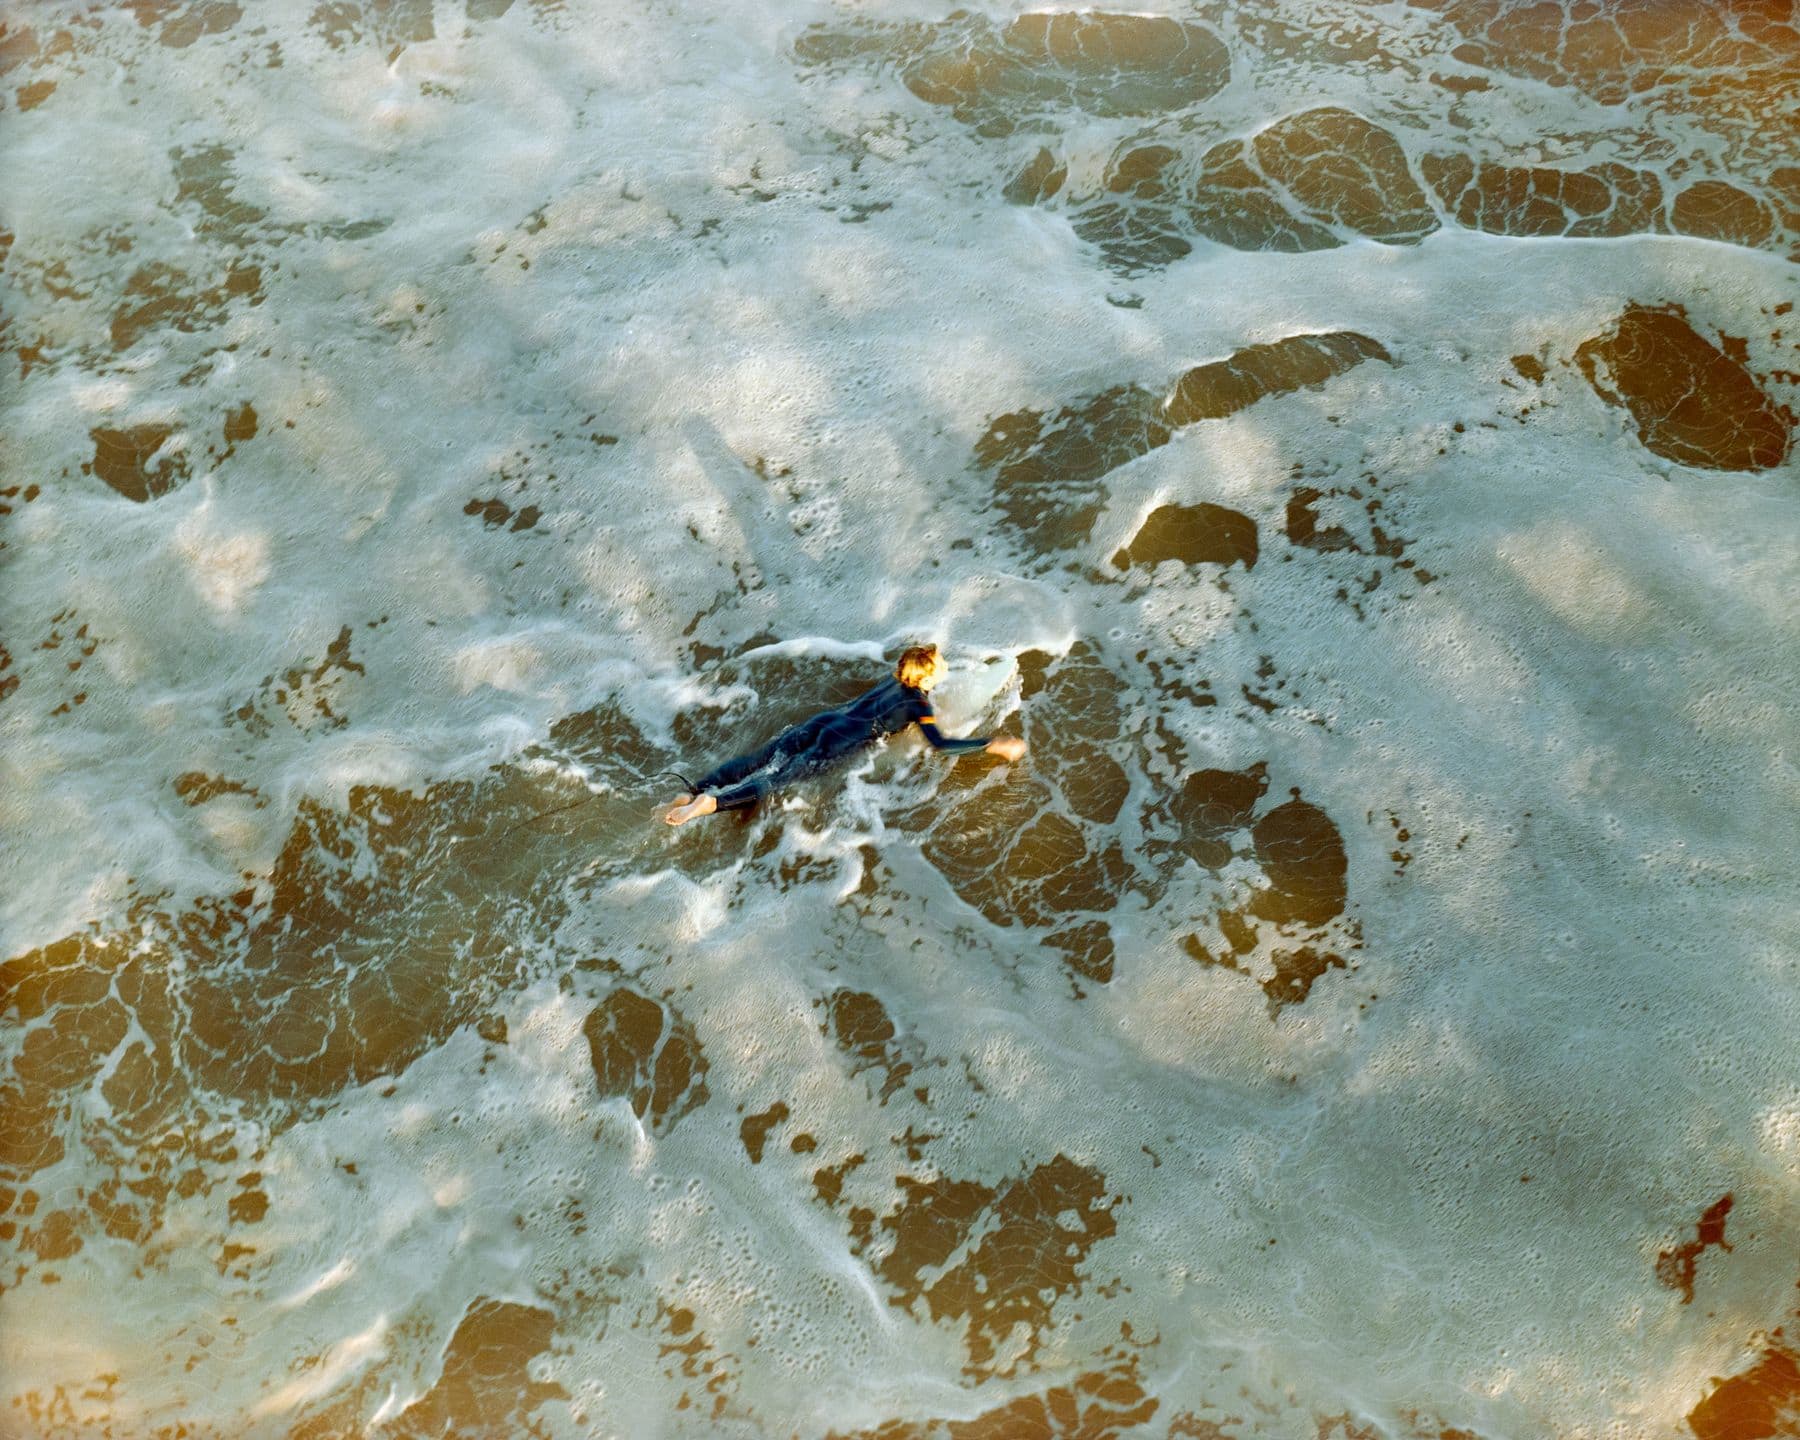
(1353, 443)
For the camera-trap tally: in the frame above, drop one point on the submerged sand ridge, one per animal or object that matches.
(1356, 455)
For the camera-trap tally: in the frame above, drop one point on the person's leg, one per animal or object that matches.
(688, 808)
(733, 797)
(739, 797)
(722, 780)
(733, 771)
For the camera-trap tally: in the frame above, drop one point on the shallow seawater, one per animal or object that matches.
(1353, 443)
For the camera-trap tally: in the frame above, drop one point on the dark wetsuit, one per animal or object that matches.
(825, 741)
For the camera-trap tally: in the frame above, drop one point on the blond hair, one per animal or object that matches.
(916, 664)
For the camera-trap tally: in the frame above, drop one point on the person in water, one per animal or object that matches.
(826, 739)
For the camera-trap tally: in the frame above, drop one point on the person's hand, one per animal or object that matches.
(1007, 747)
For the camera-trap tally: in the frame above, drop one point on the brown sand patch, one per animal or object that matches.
(1540, 200)
(1045, 465)
(644, 1050)
(1676, 1266)
(1000, 78)
(128, 460)
(1715, 210)
(157, 295)
(1101, 1404)
(1761, 1403)
(996, 1258)
(1691, 401)
(861, 1027)
(754, 1132)
(1347, 171)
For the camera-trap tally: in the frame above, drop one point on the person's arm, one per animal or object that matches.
(928, 723)
(1007, 747)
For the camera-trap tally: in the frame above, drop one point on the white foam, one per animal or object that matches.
(1586, 722)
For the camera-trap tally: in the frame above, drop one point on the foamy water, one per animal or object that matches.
(1352, 443)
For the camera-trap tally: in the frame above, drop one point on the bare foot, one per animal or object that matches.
(685, 809)
(1007, 747)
